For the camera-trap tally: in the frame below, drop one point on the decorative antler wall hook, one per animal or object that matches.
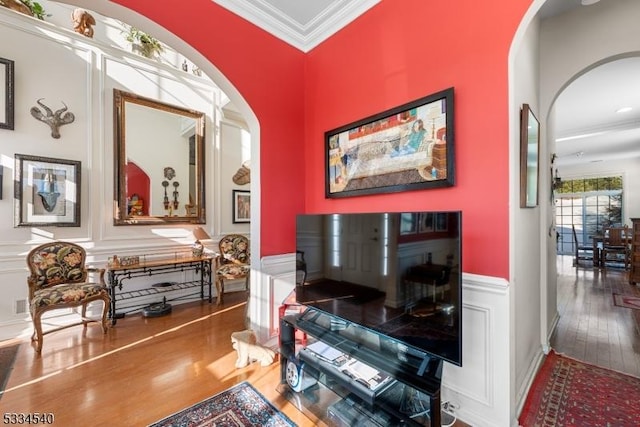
(54, 120)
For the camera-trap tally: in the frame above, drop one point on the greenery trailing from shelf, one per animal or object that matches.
(148, 46)
(36, 9)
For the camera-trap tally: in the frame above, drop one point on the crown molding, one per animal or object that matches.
(301, 35)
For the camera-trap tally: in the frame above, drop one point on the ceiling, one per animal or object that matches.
(302, 23)
(587, 125)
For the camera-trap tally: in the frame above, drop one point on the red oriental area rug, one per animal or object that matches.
(567, 392)
(239, 406)
(627, 301)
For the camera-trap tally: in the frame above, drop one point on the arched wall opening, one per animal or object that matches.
(256, 311)
(124, 14)
(546, 56)
(571, 45)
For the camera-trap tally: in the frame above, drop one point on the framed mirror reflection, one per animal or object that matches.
(529, 157)
(159, 162)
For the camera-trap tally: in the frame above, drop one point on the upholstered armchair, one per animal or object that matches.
(232, 262)
(58, 280)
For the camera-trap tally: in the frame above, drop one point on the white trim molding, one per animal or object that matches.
(480, 388)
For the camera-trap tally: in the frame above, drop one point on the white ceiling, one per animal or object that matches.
(302, 23)
(586, 106)
(586, 114)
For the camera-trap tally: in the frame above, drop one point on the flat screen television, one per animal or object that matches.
(395, 273)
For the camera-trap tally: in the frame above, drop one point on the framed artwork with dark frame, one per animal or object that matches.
(529, 157)
(241, 206)
(6, 94)
(409, 147)
(408, 223)
(47, 191)
(426, 222)
(442, 222)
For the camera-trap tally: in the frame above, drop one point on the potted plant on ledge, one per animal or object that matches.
(28, 7)
(142, 43)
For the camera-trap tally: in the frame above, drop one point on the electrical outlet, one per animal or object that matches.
(450, 407)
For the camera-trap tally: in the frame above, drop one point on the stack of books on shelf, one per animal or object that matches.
(361, 373)
(327, 353)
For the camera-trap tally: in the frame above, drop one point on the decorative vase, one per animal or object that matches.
(196, 249)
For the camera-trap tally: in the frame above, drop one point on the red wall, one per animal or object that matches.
(394, 53)
(401, 51)
(269, 74)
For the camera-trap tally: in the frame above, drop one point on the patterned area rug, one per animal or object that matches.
(626, 301)
(7, 357)
(567, 392)
(240, 405)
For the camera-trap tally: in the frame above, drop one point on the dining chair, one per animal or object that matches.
(301, 268)
(59, 280)
(581, 252)
(615, 246)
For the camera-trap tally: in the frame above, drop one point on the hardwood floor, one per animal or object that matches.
(146, 369)
(591, 327)
(142, 371)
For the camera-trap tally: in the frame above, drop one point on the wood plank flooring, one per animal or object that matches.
(146, 369)
(591, 327)
(141, 371)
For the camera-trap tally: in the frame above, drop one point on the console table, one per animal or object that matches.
(119, 275)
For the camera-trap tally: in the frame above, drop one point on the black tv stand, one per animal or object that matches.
(410, 380)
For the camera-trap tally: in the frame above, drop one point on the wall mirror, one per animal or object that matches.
(159, 162)
(529, 157)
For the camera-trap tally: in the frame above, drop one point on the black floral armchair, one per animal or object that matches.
(232, 262)
(57, 280)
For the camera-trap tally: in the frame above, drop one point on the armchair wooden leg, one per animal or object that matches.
(83, 313)
(105, 312)
(219, 290)
(37, 332)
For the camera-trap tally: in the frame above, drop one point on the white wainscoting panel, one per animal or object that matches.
(480, 388)
(271, 287)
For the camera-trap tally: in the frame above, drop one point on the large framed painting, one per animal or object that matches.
(409, 147)
(6, 94)
(47, 191)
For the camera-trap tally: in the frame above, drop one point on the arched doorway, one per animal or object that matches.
(123, 14)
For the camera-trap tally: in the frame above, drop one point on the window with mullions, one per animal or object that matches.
(588, 204)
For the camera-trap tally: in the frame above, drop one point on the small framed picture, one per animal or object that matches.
(442, 222)
(426, 222)
(47, 191)
(241, 206)
(408, 223)
(6, 93)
